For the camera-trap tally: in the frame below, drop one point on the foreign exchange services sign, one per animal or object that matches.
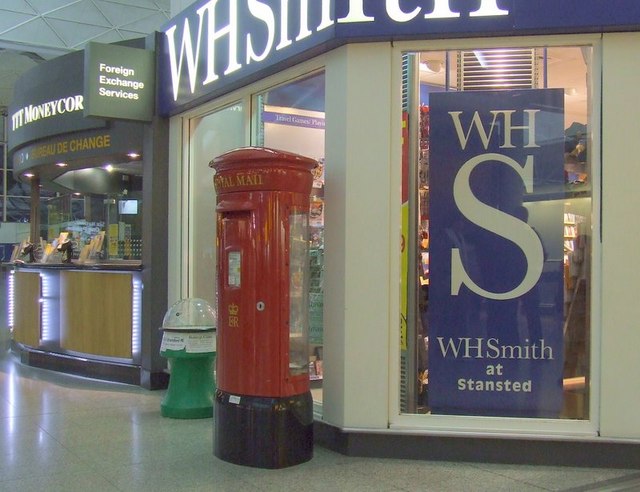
(119, 82)
(496, 227)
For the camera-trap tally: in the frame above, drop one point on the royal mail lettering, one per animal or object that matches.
(236, 180)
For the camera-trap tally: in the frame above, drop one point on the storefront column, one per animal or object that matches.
(357, 284)
(620, 385)
(155, 250)
(34, 227)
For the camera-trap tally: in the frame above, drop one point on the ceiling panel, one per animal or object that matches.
(84, 12)
(118, 15)
(74, 34)
(146, 25)
(113, 36)
(17, 6)
(150, 4)
(32, 30)
(36, 32)
(9, 20)
(46, 6)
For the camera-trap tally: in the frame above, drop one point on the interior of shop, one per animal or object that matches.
(292, 119)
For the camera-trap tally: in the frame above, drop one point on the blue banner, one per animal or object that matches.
(496, 257)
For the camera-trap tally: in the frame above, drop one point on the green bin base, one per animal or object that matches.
(191, 388)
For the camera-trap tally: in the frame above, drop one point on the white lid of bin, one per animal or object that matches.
(190, 314)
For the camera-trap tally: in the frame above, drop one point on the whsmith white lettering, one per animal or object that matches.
(490, 218)
(507, 385)
(32, 113)
(441, 10)
(491, 348)
(183, 52)
(485, 137)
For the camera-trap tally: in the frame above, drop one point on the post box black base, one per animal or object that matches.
(263, 432)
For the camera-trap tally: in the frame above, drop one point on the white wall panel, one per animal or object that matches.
(357, 284)
(620, 384)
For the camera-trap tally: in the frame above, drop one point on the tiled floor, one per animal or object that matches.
(59, 432)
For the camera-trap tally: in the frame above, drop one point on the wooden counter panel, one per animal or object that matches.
(26, 308)
(96, 313)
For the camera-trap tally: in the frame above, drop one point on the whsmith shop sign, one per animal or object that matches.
(215, 46)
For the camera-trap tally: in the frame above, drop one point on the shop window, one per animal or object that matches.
(102, 218)
(210, 136)
(15, 196)
(497, 308)
(298, 292)
(17, 199)
(17, 208)
(291, 117)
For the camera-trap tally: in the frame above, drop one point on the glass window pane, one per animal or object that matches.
(499, 302)
(291, 117)
(210, 136)
(298, 293)
(18, 209)
(17, 188)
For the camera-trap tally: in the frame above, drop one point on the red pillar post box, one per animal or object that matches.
(263, 406)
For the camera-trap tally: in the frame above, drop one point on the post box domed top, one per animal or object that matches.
(260, 156)
(262, 169)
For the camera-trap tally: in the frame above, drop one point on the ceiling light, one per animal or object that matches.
(482, 60)
(28, 175)
(133, 155)
(61, 164)
(109, 168)
(431, 66)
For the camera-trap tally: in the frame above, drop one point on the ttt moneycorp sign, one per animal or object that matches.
(119, 82)
(496, 228)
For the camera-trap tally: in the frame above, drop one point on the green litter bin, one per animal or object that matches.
(189, 344)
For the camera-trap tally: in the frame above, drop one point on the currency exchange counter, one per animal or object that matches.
(81, 319)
